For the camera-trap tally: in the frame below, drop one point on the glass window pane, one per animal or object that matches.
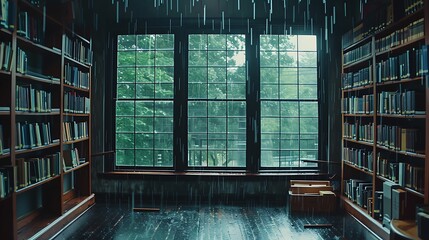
(164, 58)
(236, 109)
(308, 91)
(307, 43)
(308, 109)
(236, 58)
(216, 91)
(126, 59)
(289, 59)
(217, 141)
(145, 75)
(164, 108)
(270, 109)
(126, 42)
(288, 42)
(145, 91)
(165, 42)
(288, 92)
(217, 125)
(146, 42)
(124, 157)
(197, 125)
(290, 141)
(269, 42)
(269, 59)
(236, 125)
(236, 42)
(144, 125)
(216, 74)
(216, 58)
(197, 42)
(308, 59)
(197, 58)
(236, 91)
(236, 75)
(308, 76)
(144, 108)
(269, 76)
(126, 75)
(145, 58)
(144, 158)
(163, 125)
(197, 109)
(289, 75)
(309, 125)
(290, 126)
(270, 91)
(290, 109)
(216, 108)
(126, 90)
(124, 124)
(144, 140)
(217, 41)
(125, 140)
(163, 158)
(165, 74)
(164, 90)
(198, 75)
(124, 108)
(197, 91)
(270, 125)
(236, 158)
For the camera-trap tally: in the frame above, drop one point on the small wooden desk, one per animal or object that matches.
(403, 229)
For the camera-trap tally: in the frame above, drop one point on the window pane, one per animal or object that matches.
(197, 58)
(144, 126)
(236, 42)
(216, 109)
(126, 42)
(197, 109)
(197, 42)
(198, 75)
(215, 74)
(126, 75)
(216, 58)
(289, 126)
(217, 41)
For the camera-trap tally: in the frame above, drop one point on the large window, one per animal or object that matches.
(213, 93)
(144, 106)
(289, 107)
(217, 100)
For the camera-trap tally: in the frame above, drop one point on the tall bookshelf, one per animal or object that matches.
(384, 109)
(45, 92)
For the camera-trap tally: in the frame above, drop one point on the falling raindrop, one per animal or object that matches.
(251, 36)
(238, 5)
(334, 14)
(345, 9)
(204, 19)
(293, 14)
(254, 11)
(117, 12)
(223, 20)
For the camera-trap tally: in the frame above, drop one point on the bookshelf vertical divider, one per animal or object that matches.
(426, 31)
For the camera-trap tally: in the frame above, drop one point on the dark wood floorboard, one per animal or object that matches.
(107, 221)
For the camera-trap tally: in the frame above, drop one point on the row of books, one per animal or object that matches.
(31, 99)
(32, 170)
(409, 33)
(422, 63)
(357, 53)
(6, 54)
(361, 158)
(74, 103)
(71, 159)
(400, 139)
(21, 61)
(5, 183)
(30, 27)
(412, 6)
(78, 50)
(359, 132)
(401, 103)
(358, 105)
(75, 77)
(7, 14)
(353, 35)
(387, 168)
(359, 78)
(74, 130)
(31, 135)
(1, 140)
(360, 192)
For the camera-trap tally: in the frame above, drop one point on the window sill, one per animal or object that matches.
(122, 173)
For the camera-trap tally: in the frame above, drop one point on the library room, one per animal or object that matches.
(214, 119)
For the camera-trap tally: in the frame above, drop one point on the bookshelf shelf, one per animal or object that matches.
(4, 113)
(38, 79)
(410, 154)
(351, 165)
(357, 44)
(76, 62)
(5, 73)
(76, 88)
(29, 44)
(76, 141)
(5, 32)
(359, 142)
(359, 63)
(401, 23)
(357, 115)
(403, 81)
(37, 184)
(2, 156)
(37, 113)
(401, 116)
(395, 50)
(355, 89)
(82, 165)
(38, 222)
(77, 114)
(25, 151)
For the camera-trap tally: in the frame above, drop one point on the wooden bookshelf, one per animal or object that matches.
(395, 79)
(45, 53)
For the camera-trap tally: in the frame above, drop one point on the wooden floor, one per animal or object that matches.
(104, 221)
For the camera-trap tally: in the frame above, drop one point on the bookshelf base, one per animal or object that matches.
(361, 214)
(80, 205)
